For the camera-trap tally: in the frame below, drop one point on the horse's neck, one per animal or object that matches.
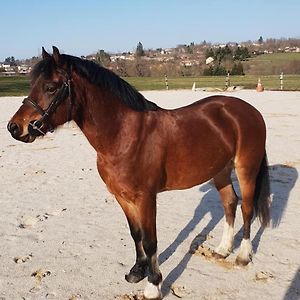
(102, 117)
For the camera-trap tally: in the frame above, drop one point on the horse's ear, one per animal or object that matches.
(56, 56)
(45, 54)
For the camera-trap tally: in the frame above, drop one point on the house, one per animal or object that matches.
(24, 69)
(6, 67)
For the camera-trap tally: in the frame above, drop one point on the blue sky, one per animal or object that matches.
(83, 27)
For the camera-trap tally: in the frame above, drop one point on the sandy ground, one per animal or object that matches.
(63, 236)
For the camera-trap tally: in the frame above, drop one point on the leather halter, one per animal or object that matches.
(35, 127)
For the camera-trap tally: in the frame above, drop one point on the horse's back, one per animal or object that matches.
(201, 138)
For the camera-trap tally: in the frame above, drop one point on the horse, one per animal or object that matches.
(143, 149)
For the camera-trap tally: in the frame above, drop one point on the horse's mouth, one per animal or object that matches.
(27, 138)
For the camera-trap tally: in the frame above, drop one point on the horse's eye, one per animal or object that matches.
(51, 89)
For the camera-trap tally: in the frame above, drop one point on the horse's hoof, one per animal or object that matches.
(218, 255)
(242, 262)
(133, 277)
(153, 292)
(137, 273)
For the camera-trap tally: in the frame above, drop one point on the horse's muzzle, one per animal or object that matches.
(14, 129)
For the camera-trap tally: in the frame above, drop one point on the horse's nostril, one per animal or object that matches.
(14, 129)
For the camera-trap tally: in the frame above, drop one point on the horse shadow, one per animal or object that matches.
(293, 292)
(282, 179)
(208, 205)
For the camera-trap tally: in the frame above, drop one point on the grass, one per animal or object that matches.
(273, 63)
(14, 85)
(278, 57)
(270, 82)
(19, 86)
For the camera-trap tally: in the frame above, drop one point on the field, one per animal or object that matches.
(18, 86)
(291, 82)
(288, 63)
(14, 85)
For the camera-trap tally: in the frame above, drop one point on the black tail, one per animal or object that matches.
(262, 193)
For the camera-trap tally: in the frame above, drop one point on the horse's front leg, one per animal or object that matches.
(141, 216)
(148, 220)
(139, 270)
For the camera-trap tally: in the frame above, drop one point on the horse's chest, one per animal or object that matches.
(116, 177)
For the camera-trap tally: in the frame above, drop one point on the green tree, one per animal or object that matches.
(237, 69)
(241, 53)
(10, 61)
(223, 53)
(260, 40)
(209, 53)
(139, 50)
(218, 70)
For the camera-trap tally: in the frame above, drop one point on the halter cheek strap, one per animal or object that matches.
(35, 127)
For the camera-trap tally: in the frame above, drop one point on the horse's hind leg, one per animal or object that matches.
(229, 199)
(247, 181)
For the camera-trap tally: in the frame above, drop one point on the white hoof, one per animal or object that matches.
(245, 254)
(152, 291)
(226, 245)
(221, 251)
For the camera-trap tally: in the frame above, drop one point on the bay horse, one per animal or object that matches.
(143, 149)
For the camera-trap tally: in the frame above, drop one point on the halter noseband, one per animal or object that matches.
(35, 127)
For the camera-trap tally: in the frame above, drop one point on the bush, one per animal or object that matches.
(237, 69)
(215, 71)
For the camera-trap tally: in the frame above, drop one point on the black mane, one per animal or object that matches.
(101, 77)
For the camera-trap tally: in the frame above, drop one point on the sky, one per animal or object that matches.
(80, 27)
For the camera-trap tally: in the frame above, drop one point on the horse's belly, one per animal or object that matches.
(193, 170)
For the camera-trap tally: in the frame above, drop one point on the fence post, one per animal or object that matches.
(166, 81)
(281, 81)
(227, 80)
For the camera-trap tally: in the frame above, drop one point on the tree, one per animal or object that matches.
(237, 69)
(10, 61)
(139, 50)
(260, 40)
(189, 49)
(103, 58)
(218, 70)
(209, 53)
(241, 53)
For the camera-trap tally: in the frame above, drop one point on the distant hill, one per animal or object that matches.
(273, 64)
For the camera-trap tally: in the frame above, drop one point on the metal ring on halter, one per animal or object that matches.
(37, 128)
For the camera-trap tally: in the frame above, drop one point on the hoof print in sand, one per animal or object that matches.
(263, 276)
(22, 259)
(180, 291)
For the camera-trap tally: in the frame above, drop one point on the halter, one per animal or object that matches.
(35, 127)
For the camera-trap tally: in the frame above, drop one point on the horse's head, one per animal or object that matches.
(48, 104)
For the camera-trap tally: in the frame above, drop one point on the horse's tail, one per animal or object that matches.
(262, 193)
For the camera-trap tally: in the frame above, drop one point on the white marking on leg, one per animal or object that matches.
(245, 253)
(152, 291)
(225, 247)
